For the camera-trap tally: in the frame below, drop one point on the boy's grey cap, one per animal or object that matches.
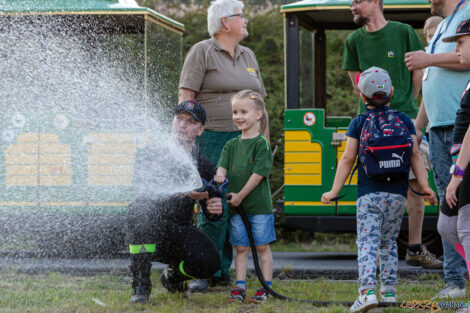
(462, 30)
(374, 80)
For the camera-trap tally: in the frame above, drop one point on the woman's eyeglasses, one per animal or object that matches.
(238, 14)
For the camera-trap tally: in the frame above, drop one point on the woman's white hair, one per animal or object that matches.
(219, 9)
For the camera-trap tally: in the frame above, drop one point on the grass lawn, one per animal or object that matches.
(111, 292)
(319, 243)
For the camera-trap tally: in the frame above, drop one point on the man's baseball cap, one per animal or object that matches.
(194, 108)
(462, 30)
(374, 83)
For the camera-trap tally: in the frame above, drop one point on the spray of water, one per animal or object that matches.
(75, 110)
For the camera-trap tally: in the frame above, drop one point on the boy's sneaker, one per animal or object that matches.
(425, 259)
(388, 296)
(450, 290)
(365, 302)
(237, 294)
(260, 296)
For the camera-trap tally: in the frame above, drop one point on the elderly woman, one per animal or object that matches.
(214, 70)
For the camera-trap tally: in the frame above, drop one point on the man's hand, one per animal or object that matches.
(430, 196)
(196, 195)
(451, 190)
(327, 196)
(235, 200)
(416, 60)
(214, 206)
(419, 135)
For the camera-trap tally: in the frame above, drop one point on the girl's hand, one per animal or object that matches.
(451, 190)
(430, 196)
(235, 200)
(327, 196)
(219, 179)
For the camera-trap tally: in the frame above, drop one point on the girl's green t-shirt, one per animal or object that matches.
(242, 158)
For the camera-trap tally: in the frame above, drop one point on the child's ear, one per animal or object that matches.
(259, 114)
(364, 98)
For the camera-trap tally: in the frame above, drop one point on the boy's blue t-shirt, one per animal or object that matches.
(366, 184)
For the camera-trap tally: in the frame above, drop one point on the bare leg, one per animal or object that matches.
(415, 209)
(241, 262)
(266, 258)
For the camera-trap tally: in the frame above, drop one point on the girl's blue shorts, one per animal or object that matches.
(262, 227)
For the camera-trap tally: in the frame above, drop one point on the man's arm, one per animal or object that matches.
(418, 60)
(417, 82)
(352, 76)
(185, 94)
(421, 122)
(417, 164)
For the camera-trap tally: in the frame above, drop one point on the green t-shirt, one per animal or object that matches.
(385, 48)
(241, 158)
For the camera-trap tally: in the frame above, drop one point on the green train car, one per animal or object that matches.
(65, 177)
(314, 142)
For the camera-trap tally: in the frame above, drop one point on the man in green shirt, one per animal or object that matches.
(383, 44)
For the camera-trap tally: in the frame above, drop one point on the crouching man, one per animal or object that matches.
(162, 230)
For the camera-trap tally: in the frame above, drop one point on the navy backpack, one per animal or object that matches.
(385, 145)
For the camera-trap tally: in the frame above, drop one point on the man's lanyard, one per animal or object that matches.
(447, 26)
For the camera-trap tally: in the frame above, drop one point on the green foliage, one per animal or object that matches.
(339, 91)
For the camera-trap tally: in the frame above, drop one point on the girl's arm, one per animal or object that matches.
(417, 164)
(252, 182)
(464, 155)
(462, 162)
(220, 175)
(343, 169)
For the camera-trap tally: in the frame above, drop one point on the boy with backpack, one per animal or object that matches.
(384, 142)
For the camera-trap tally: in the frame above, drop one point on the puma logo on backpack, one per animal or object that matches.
(385, 145)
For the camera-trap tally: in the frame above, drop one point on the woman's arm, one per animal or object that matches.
(186, 94)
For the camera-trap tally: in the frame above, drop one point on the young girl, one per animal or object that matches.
(248, 160)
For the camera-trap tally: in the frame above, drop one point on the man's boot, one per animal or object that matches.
(199, 285)
(141, 265)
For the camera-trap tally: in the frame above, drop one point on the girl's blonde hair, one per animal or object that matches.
(431, 22)
(258, 102)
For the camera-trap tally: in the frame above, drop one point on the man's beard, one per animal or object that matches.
(361, 20)
(436, 8)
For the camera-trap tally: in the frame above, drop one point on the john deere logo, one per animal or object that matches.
(391, 54)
